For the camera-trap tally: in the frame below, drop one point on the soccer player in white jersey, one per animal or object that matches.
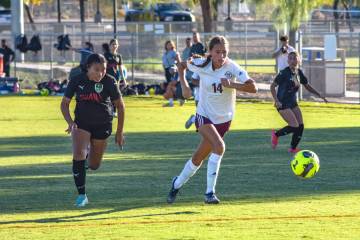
(220, 77)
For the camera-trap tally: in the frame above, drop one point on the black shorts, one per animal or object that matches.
(290, 105)
(97, 131)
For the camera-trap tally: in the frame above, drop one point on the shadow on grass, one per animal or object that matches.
(140, 176)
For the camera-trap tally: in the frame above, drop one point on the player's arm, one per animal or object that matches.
(273, 86)
(177, 57)
(244, 83)
(185, 88)
(315, 92)
(12, 54)
(65, 110)
(248, 86)
(120, 108)
(121, 69)
(276, 53)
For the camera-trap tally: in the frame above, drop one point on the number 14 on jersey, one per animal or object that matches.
(217, 87)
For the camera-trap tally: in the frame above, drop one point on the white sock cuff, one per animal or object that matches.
(192, 166)
(215, 158)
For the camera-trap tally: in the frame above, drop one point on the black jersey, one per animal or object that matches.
(288, 84)
(198, 48)
(93, 99)
(113, 62)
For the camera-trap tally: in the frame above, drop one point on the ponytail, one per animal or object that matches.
(207, 61)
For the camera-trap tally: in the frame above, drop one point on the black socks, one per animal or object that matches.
(297, 134)
(79, 173)
(285, 131)
(296, 137)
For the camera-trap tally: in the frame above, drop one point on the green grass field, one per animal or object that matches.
(261, 199)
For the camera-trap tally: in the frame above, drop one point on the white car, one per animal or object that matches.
(5, 20)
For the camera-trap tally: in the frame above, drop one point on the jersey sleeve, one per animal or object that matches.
(240, 74)
(194, 65)
(71, 88)
(114, 91)
(279, 78)
(303, 78)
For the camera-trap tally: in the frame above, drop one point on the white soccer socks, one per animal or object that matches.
(188, 171)
(213, 171)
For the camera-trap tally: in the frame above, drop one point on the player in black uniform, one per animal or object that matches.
(95, 92)
(114, 63)
(288, 82)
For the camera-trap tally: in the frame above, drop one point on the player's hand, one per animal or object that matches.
(278, 104)
(119, 139)
(71, 127)
(225, 82)
(181, 66)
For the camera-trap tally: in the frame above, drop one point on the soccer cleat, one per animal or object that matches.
(168, 104)
(173, 192)
(274, 139)
(182, 102)
(189, 122)
(293, 150)
(210, 198)
(81, 200)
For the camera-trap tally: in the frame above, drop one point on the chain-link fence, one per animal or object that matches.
(142, 46)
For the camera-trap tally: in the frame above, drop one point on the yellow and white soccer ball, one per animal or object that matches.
(305, 164)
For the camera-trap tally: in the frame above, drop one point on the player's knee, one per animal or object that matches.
(80, 154)
(219, 148)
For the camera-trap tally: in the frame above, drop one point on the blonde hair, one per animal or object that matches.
(171, 42)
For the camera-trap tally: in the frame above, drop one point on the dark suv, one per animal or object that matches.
(165, 12)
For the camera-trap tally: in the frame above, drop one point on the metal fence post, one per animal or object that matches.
(246, 48)
(51, 62)
(132, 58)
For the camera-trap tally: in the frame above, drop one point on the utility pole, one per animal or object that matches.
(59, 11)
(115, 13)
(82, 20)
(98, 15)
(17, 23)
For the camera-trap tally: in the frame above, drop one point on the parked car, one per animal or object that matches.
(164, 12)
(5, 16)
(5, 19)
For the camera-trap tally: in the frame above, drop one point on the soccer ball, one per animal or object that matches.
(305, 164)
(44, 92)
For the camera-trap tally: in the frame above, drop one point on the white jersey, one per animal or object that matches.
(217, 103)
(282, 59)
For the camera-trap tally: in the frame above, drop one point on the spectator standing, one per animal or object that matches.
(281, 53)
(197, 47)
(8, 57)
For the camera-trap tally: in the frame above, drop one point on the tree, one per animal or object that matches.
(207, 16)
(207, 9)
(292, 13)
(5, 3)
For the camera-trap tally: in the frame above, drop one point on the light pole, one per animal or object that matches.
(98, 15)
(59, 11)
(115, 13)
